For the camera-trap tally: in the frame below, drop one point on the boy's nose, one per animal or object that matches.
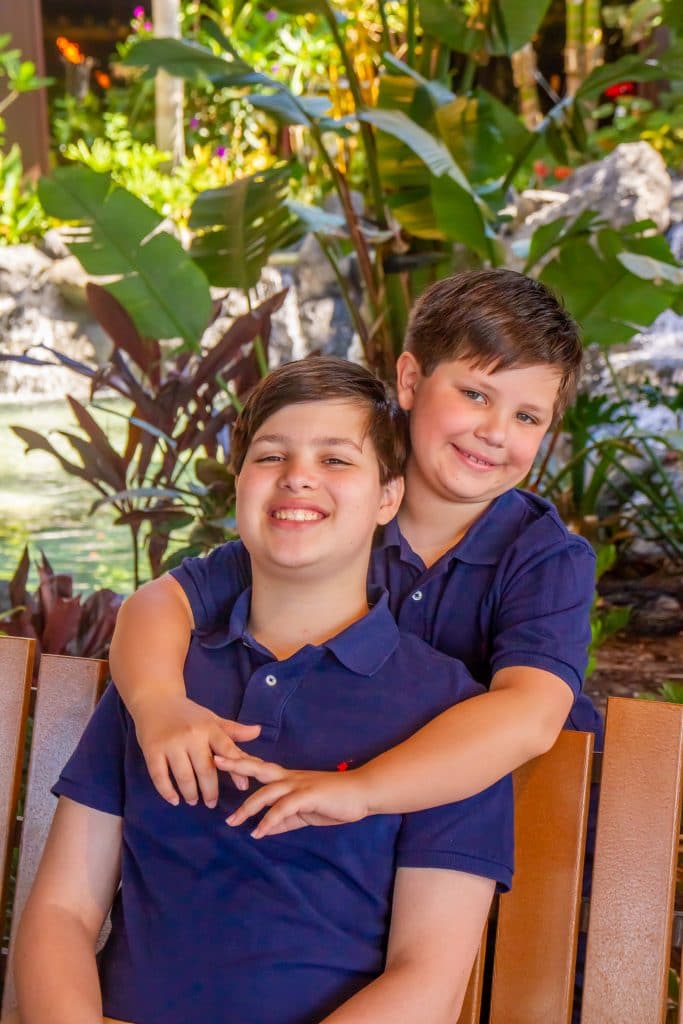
(297, 476)
(492, 430)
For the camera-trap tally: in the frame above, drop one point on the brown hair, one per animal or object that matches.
(499, 319)
(320, 379)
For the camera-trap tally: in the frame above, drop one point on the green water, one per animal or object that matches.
(44, 507)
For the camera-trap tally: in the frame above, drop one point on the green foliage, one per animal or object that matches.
(635, 118)
(19, 75)
(482, 29)
(181, 406)
(669, 691)
(605, 621)
(21, 216)
(117, 235)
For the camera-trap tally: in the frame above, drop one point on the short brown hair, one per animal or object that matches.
(320, 379)
(500, 319)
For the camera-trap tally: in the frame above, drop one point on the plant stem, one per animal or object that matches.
(410, 32)
(354, 313)
(386, 35)
(367, 136)
(9, 98)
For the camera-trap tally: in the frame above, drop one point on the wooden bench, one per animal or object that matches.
(537, 924)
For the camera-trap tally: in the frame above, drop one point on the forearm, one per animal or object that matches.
(55, 970)
(150, 644)
(461, 752)
(402, 995)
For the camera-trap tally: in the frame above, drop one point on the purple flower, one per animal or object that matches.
(139, 11)
(275, 68)
(271, 15)
(194, 122)
(220, 151)
(148, 26)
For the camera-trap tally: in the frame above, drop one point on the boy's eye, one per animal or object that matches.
(524, 417)
(269, 458)
(476, 396)
(334, 460)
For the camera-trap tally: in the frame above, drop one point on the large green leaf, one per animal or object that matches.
(631, 68)
(118, 236)
(186, 59)
(240, 225)
(463, 26)
(611, 295)
(482, 134)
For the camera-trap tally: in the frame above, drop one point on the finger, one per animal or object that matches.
(238, 730)
(253, 767)
(239, 781)
(183, 773)
(284, 815)
(221, 744)
(257, 801)
(206, 775)
(157, 767)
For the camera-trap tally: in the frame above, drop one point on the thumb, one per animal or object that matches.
(239, 731)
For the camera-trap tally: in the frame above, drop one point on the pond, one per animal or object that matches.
(44, 507)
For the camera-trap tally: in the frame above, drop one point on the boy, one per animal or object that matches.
(482, 571)
(208, 924)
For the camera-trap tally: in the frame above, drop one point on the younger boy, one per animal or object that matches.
(484, 572)
(208, 924)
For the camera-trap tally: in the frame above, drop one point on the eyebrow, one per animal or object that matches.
(318, 442)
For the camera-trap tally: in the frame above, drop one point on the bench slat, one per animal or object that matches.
(16, 668)
(536, 939)
(68, 689)
(635, 864)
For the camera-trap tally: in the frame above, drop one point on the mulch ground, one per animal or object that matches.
(628, 665)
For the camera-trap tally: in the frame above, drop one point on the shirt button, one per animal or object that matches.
(271, 680)
(417, 596)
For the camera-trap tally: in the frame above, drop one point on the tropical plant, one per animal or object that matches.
(20, 77)
(181, 406)
(22, 218)
(605, 620)
(59, 621)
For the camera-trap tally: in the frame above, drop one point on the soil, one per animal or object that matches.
(628, 665)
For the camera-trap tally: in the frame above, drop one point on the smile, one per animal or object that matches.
(474, 460)
(297, 515)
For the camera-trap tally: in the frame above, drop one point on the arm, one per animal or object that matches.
(436, 925)
(459, 753)
(177, 735)
(55, 967)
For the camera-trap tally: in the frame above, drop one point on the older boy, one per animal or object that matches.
(484, 572)
(209, 925)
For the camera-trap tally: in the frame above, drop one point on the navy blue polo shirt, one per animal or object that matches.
(210, 924)
(516, 590)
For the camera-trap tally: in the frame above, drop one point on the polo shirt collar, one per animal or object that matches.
(363, 647)
(483, 544)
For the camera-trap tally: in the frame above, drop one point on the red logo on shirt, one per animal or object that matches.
(344, 766)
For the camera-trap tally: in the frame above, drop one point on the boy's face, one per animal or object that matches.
(475, 434)
(309, 494)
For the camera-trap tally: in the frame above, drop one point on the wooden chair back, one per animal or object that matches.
(631, 908)
(67, 691)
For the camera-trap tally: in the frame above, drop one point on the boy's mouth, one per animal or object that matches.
(474, 460)
(297, 515)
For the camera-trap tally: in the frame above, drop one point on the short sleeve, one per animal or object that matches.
(94, 774)
(213, 583)
(474, 835)
(543, 620)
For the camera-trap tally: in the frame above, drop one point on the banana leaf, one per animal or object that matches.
(240, 225)
(118, 236)
(464, 27)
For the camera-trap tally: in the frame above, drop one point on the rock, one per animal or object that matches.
(630, 184)
(661, 616)
(70, 279)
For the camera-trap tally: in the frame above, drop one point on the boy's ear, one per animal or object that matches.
(392, 496)
(408, 374)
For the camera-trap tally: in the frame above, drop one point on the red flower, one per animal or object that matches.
(541, 170)
(620, 89)
(561, 173)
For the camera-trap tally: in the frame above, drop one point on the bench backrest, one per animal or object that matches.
(66, 693)
(538, 922)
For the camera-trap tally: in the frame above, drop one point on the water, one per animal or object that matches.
(44, 507)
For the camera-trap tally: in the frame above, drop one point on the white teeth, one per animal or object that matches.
(478, 462)
(297, 515)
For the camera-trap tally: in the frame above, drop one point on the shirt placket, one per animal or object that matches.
(268, 690)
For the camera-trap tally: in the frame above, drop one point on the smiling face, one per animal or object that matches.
(309, 494)
(474, 433)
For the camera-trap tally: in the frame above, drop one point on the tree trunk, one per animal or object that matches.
(592, 36)
(170, 132)
(524, 76)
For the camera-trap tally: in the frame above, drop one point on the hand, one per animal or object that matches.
(178, 738)
(296, 798)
